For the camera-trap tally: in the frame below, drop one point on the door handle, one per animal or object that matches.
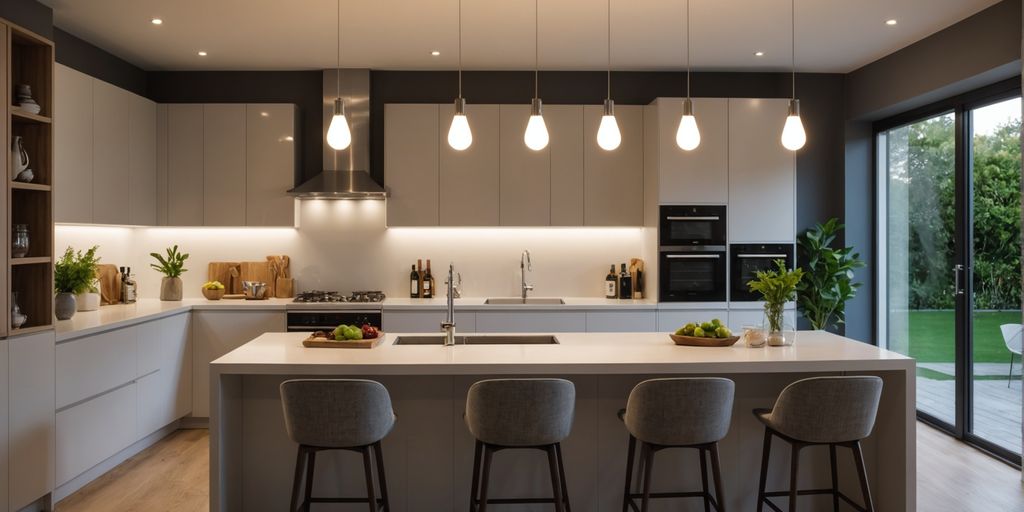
(957, 270)
(693, 256)
(708, 217)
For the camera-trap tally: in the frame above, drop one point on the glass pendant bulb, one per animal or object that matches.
(688, 135)
(338, 134)
(536, 136)
(460, 137)
(793, 135)
(608, 136)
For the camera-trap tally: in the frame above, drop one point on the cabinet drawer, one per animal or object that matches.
(93, 364)
(531, 321)
(621, 321)
(738, 318)
(670, 320)
(425, 321)
(92, 431)
(162, 343)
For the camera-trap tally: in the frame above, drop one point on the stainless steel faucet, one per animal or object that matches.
(525, 264)
(448, 326)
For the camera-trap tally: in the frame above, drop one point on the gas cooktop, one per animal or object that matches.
(332, 297)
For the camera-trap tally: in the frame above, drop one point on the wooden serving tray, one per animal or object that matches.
(692, 341)
(312, 342)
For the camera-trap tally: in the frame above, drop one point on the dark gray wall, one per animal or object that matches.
(29, 14)
(94, 61)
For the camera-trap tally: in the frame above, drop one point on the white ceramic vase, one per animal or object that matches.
(88, 301)
(19, 157)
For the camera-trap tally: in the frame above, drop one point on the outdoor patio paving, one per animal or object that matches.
(997, 408)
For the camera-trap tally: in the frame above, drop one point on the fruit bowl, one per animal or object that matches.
(213, 293)
(314, 341)
(693, 341)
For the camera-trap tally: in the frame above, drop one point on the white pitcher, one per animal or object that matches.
(19, 156)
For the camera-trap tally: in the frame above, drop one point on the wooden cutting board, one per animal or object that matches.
(258, 271)
(221, 271)
(110, 284)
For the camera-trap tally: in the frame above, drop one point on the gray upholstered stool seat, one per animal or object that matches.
(833, 411)
(337, 414)
(677, 413)
(519, 414)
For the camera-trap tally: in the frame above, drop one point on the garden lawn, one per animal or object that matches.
(932, 337)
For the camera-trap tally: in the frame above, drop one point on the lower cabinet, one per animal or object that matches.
(215, 333)
(92, 431)
(671, 319)
(165, 372)
(4, 428)
(740, 318)
(425, 321)
(621, 321)
(531, 321)
(31, 417)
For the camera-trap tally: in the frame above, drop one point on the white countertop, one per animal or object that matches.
(576, 353)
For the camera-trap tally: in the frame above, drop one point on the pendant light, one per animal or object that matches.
(688, 135)
(793, 135)
(608, 136)
(536, 136)
(339, 136)
(460, 136)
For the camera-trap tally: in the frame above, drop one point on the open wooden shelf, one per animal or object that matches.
(19, 115)
(17, 185)
(31, 260)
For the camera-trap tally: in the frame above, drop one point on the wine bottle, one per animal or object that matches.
(611, 284)
(428, 283)
(414, 283)
(625, 284)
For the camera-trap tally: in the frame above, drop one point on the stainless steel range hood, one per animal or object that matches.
(346, 172)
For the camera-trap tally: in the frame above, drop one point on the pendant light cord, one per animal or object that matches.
(609, 49)
(460, 48)
(687, 49)
(536, 48)
(792, 39)
(338, 54)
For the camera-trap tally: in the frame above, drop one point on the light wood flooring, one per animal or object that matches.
(172, 476)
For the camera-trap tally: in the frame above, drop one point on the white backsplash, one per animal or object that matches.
(343, 245)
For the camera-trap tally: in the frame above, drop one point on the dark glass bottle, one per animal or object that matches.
(414, 283)
(611, 284)
(428, 283)
(625, 284)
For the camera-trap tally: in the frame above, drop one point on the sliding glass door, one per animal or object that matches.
(949, 251)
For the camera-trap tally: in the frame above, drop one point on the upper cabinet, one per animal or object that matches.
(73, 145)
(270, 164)
(499, 181)
(700, 176)
(224, 165)
(185, 172)
(762, 173)
(110, 142)
(142, 188)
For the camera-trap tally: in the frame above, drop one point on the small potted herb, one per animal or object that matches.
(171, 266)
(776, 288)
(73, 274)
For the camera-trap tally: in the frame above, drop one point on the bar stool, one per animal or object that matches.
(833, 411)
(677, 413)
(505, 414)
(326, 414)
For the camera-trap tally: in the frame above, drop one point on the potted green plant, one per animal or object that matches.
(171, 266)
(777, 287)
(828, 276)
(73, 274)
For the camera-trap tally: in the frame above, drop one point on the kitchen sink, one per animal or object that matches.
(531, 339)
(516, 300)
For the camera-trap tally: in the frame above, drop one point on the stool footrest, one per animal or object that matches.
(515, 501)
(810, 492)
(632, 497)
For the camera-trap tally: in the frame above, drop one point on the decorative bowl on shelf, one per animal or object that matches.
(213, 294)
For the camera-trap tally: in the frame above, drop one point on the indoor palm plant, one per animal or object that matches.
(171, 266)
(828, 276)
(777, 287)
(74, 273)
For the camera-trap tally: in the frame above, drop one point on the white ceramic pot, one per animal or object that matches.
(88, 301)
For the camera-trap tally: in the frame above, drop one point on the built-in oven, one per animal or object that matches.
(326, 320)
(748, 260)
(691, 225)
(692, 274)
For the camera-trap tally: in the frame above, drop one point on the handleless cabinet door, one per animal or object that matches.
(4, 411)
(161, 164)
(524, 174)
(762, 173)
(31, 425)
(411, 146)
(110, 141)
(185, 165)
(613, 180)
(565, 128)
(269, 164)
(469, 178)
(73, 145)
(699, 176)
(224, 165)
(142, 128)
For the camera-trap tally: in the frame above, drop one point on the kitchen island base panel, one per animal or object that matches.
(429, 455)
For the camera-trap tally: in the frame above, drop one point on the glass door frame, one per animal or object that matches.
(961, 106)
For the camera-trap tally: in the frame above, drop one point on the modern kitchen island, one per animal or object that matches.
(428, 456)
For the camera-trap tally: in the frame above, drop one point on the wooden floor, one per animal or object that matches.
(172, 476)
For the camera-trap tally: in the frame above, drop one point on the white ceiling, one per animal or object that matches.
(832, 35)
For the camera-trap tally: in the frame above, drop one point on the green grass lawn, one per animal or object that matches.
(932, 337)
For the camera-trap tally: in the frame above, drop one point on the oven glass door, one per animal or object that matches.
(745, 267)
(692, 276)
(692, 225)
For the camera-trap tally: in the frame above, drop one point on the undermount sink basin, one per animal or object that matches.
(516, 300)
(479, 340)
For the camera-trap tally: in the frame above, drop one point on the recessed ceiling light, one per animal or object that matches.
(890, 22)
(202, 53)
(758, 54)
(157, 21)
(435, 53)
(265, 114)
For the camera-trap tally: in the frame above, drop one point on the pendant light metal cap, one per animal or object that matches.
(794, 107)
(609, 107)
(687, 107)
(536, 107)
(460, 106)
(339, 107)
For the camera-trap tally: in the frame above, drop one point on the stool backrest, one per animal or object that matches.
(828, 409)
(336, 413)
(678, 412)
(521, 412)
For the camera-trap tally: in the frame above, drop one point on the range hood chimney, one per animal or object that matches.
(346, 172)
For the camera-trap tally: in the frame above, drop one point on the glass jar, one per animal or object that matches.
(779, 332)
(754, 336)
(19, 241)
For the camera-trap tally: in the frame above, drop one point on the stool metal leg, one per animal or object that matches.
(835, 477)
(310, 464)
(704, 479)
(765, 454)
(794, 470)
(858, 457)
(716, 471)
(556, 484)
(474, 493)
(381, 480)
(648, 456)
(629, 474)
(486, 477)
(371, 497)
(297, 482)
(561, 477)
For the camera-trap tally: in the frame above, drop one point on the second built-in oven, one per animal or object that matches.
(693, 225)
(692, 274)
(748, 260)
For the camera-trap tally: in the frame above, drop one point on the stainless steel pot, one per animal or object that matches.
(254, 290)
